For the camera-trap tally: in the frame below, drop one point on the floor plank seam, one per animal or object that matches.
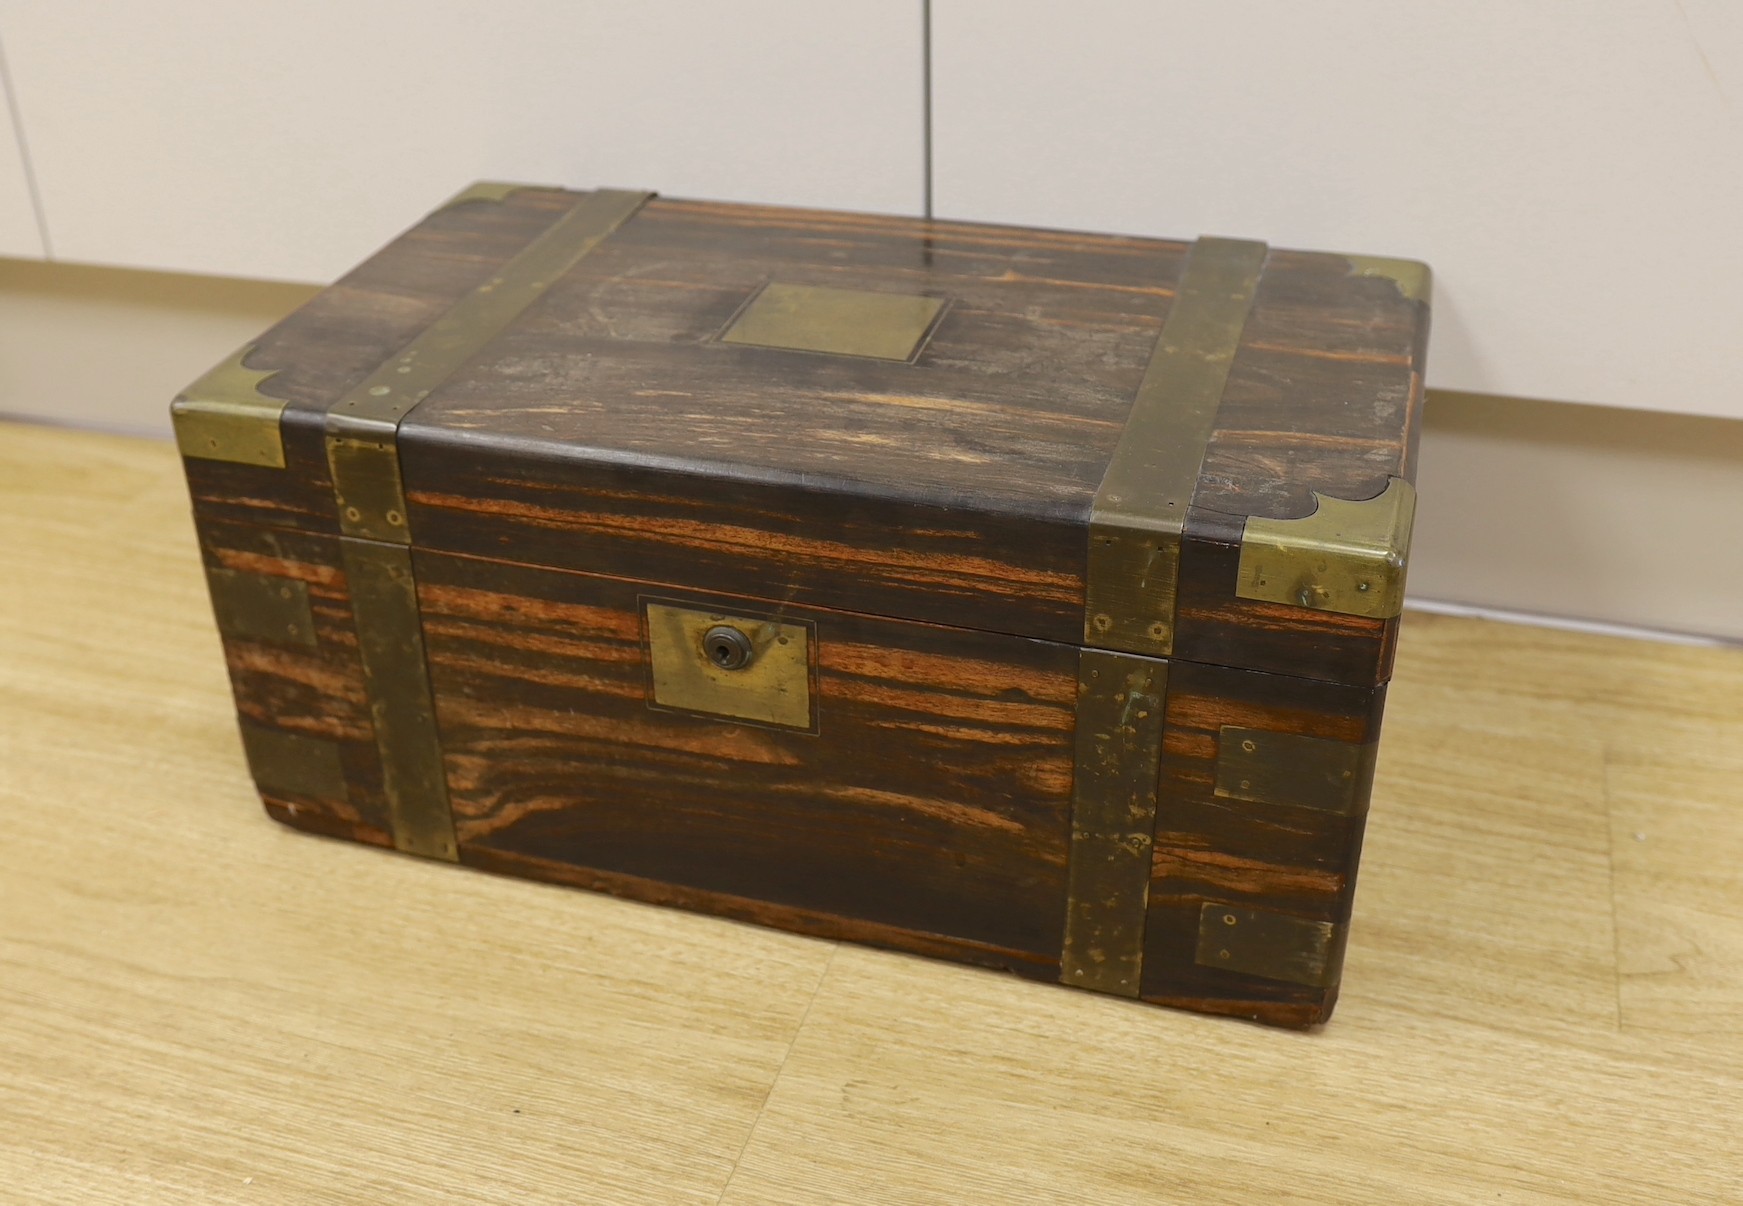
(1615, 908)
(750, 1132)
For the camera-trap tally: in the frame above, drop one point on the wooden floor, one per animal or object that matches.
(1543, 1000)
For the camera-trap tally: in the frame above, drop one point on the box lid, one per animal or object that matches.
(1199, 450)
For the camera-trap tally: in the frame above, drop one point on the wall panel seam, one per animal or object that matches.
(17, 117)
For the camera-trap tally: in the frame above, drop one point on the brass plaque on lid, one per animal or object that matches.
(842, 322)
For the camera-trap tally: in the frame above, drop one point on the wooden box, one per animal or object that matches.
(1018, 597)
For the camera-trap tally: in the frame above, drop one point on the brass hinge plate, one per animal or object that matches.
(1140, 510)
(260, 607)
(1288, 769)
(1347, 557)
(224, 416)
(1120, 702)
(293, 763)
(1273, 946)
(767, 682)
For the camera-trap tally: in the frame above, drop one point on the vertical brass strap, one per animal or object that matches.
(1130, 593)
(1113, 819)
(363, 454)
(390, 638)
(1140, 510)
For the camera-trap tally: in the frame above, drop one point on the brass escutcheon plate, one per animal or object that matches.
(772, 686)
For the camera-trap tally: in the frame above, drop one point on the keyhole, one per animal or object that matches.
(727, 647)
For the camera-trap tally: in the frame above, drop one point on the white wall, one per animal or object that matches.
(1573, 172)
(19, 232)
(289, 140)
(109, 348)
(1623, 517)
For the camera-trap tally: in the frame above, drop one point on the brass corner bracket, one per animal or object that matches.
(485, 190)
(1347, 557)
(225, 417)
(1415, 280)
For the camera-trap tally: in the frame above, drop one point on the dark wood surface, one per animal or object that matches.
(1212, 849)
(933, 801)
(929, 812)
(346, 331)
(1013, 405)
(930, 518)
(310, 692)
(609, 431)
(1325, 395)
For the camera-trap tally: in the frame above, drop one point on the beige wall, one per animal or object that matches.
(1571, 171)
(1582, 512)
(107, 347)
(288, 141)
(1587, 512)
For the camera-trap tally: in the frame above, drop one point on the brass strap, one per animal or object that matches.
(390, 639)
(1140, 510)
(363, 425)
(363, 453)
(1129, 605)
(1113, 819)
